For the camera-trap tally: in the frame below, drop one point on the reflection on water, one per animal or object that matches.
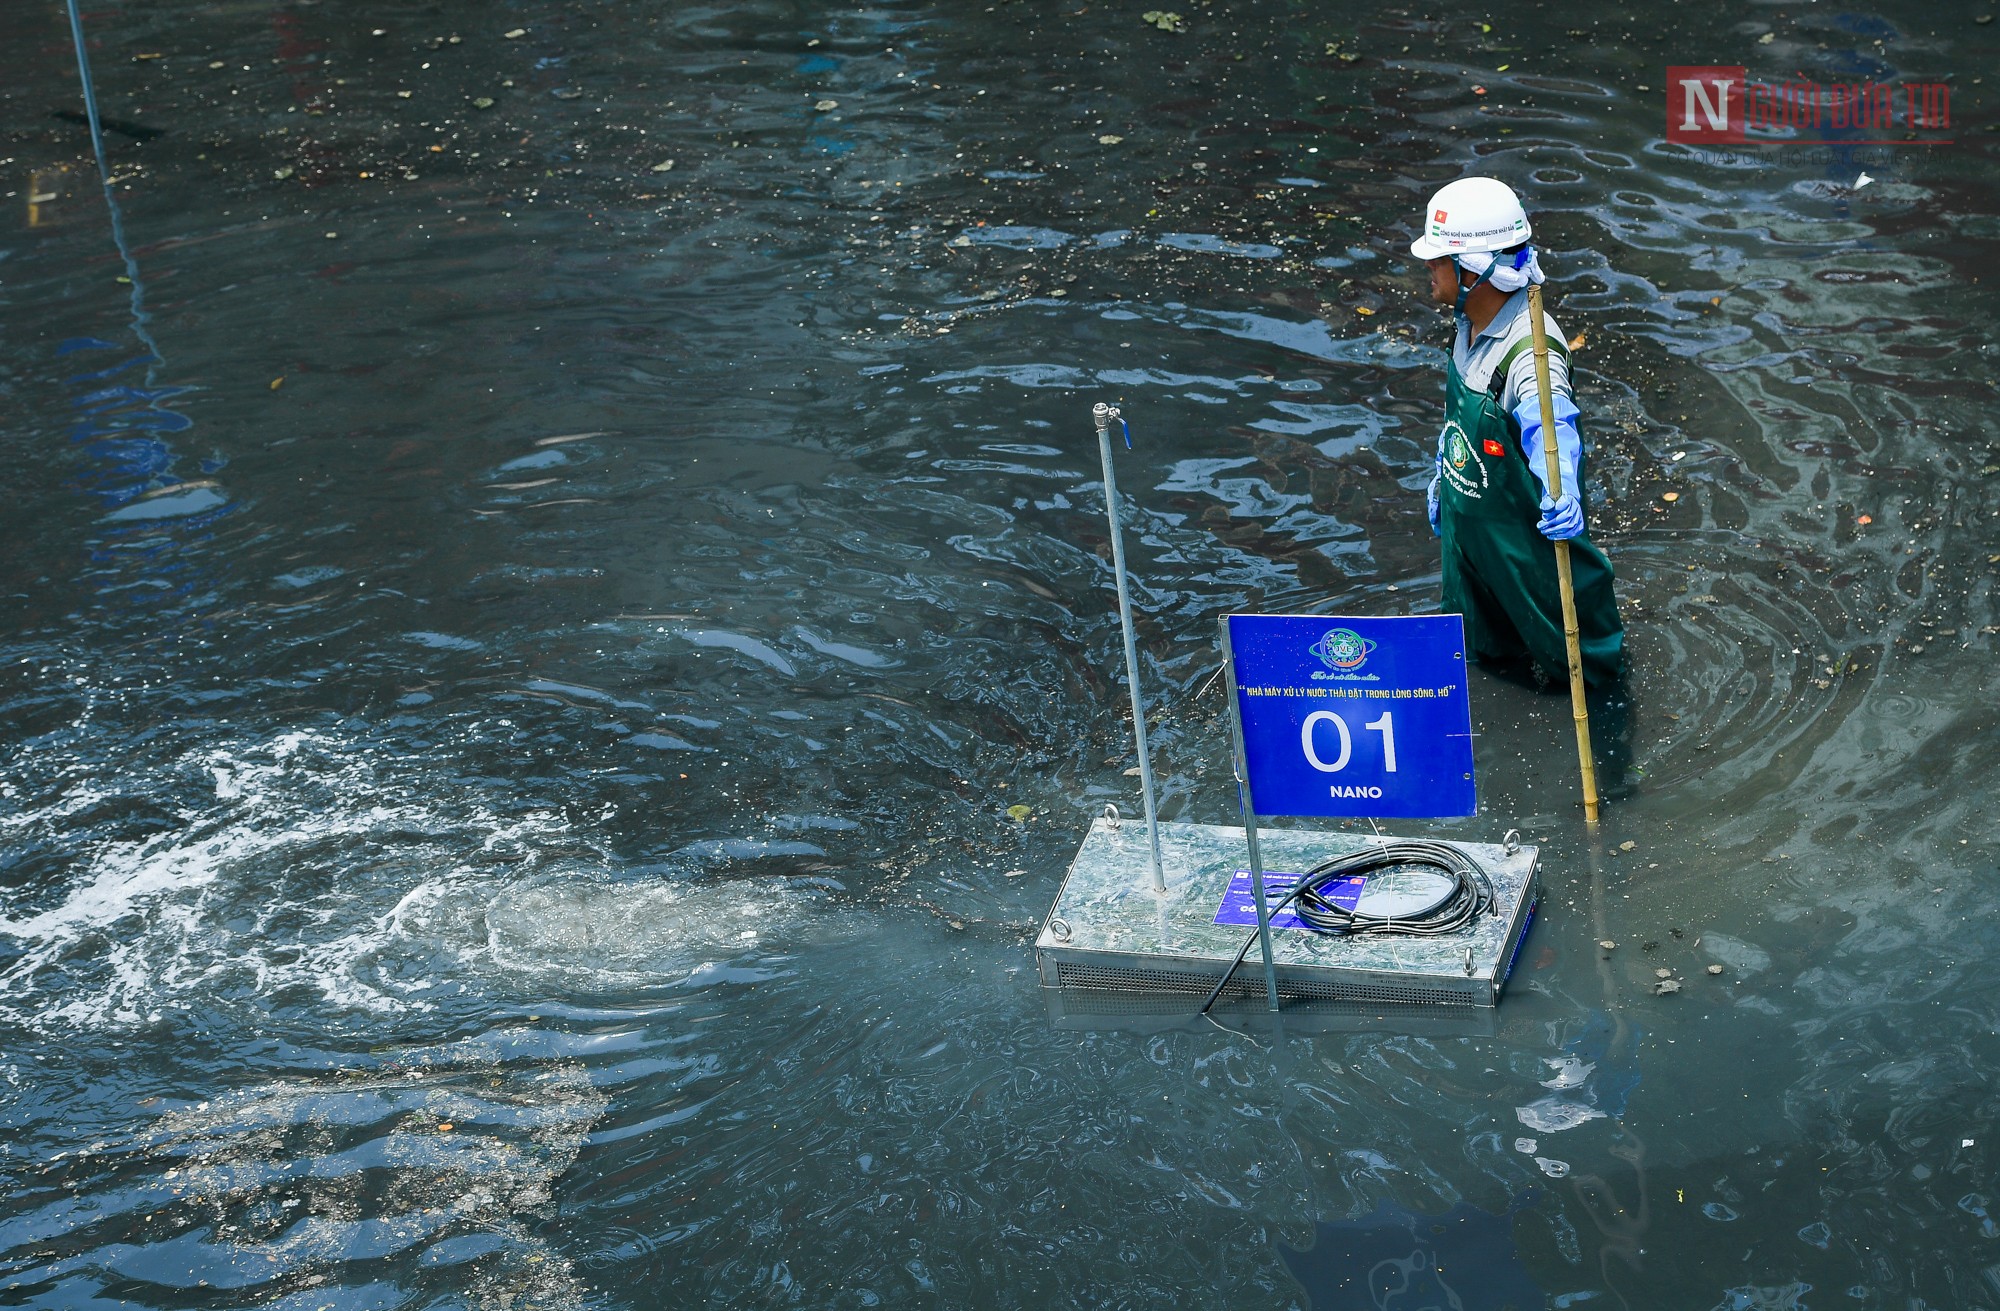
(1393, 1257)
(601, 638)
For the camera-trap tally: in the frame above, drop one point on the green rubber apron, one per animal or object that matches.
(1499, 572)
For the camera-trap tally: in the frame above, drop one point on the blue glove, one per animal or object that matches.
(1431, 501)
(1569, 444)
(1561, 519)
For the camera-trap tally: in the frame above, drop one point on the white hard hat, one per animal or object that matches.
(1470, 215)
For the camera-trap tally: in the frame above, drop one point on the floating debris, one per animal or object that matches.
(1743, 957)
(1555, 1114)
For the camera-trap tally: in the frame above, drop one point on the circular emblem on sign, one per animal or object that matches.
(1343, 650)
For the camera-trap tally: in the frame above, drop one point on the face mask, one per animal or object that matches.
(1509, 273)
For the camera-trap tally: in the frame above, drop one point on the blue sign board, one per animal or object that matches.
(1353, 716)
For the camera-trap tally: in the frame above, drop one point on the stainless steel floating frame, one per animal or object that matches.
(1109, 932)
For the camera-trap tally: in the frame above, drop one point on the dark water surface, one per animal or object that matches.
(512, 713)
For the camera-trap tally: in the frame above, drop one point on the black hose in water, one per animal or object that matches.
(1472, 892)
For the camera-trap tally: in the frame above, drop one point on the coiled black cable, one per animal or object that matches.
(1471, 894)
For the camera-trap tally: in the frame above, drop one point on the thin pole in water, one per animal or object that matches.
(139, 315)
(1104, 414)
(89, 94)
(1247, 801)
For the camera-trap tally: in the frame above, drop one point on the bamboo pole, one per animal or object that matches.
(1578, 710)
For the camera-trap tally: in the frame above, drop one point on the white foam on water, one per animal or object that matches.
(157, 916)
(333, 876)
(594, 935)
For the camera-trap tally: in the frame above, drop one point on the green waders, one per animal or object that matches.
(1499, 572)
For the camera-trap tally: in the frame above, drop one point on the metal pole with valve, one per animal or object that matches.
(1104, 414)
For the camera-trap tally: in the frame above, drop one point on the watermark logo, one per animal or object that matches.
(1343, 650)
(1705, 104)
(1716, 105)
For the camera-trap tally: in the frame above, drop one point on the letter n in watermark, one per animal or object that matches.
(1705, 104)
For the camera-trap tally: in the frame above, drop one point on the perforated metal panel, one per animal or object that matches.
(1247, 982)
(1155, 1012)
(1109, 932)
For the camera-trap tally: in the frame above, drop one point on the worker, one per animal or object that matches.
(1489, 497)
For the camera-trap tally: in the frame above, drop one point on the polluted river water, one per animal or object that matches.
(559, 641)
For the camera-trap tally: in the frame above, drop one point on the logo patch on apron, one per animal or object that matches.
(1463, 469)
